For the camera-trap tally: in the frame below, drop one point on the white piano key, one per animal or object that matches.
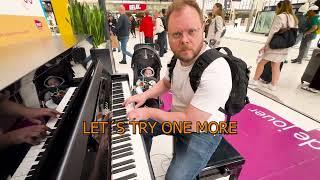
(39, 146)
(123, 159)
(34, 152)
(125, 173)
(66, 98)
(19, 178)
(24, 169)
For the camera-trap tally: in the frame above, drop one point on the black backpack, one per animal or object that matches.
(239, 72)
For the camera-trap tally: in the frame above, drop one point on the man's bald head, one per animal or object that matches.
(122, 10)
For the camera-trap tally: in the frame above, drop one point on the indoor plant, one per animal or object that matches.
(87, 19)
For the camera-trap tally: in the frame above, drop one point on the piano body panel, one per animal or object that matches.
(49, 166)
(225, 161)
(73, 160)
(105, 57)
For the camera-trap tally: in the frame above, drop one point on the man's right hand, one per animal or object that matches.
(139, 99)
(32, 134)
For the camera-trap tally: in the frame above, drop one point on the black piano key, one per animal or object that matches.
(124, 125)
(121, 136)
(133, 175)
(117, 84)
(41, 153)
(117, 101)
(119, 106)
(117, 96)
(117, 88)
(123, 163)
(116, 80)
(116, 131)
(121, 146)
(121, 140)
(119, 118)
(122, 155)
(126, 168)
(28, 178)
(31, 172)
(119, 113)
(122, 151)
(34, 167)
(117, 92)
(39, 158)
(124, 120)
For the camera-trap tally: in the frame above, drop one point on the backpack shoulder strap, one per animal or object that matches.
(204, 60)
(171, 66)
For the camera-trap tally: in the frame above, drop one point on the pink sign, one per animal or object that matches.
(274, 148)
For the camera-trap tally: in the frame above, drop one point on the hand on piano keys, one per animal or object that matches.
(138, 99)
(31, 134)
(139, 114)
(38, 113)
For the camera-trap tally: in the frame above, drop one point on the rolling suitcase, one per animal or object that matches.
(311, 74)
(267, 72)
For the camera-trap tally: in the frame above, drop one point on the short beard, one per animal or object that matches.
(188, 60)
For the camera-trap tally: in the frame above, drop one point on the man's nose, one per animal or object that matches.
(185, 38)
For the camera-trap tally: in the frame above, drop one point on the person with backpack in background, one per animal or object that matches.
(164, 22)
(195, 99)
(217, 27)
(309, 35)
(284, 18)
(159, 30)
(133, 26)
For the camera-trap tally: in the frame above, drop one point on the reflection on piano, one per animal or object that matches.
(66, 153)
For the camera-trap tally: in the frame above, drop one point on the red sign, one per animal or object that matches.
(38, 24)
(135, 7)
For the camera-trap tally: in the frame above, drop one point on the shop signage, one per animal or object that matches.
(135, 7)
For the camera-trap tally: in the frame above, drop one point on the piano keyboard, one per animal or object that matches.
(129, 156)
(32, 158)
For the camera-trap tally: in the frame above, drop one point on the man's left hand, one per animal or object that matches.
(139, 114)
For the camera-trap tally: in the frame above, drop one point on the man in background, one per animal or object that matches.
(309, 35)
(122, 29)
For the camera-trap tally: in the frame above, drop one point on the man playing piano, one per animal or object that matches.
(31, 131)
(193, 151)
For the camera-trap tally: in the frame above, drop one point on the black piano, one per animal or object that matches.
(90, 91)
(66, 153)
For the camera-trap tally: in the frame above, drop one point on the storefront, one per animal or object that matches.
(265, 17)
(135, 7)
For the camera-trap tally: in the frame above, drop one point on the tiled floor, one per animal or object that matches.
(245, 46)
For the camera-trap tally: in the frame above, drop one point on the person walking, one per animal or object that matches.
(216, 27)
(146, 27)
(284, 17)
(309, 35)
(122, 30)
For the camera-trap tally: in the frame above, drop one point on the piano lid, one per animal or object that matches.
(17, 60)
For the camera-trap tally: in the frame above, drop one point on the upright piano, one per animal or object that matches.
(89, 92)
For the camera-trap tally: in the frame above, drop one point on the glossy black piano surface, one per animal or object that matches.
(67, 153)
(225, 161)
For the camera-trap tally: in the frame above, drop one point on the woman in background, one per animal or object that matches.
(284, 16)
(216, 27)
